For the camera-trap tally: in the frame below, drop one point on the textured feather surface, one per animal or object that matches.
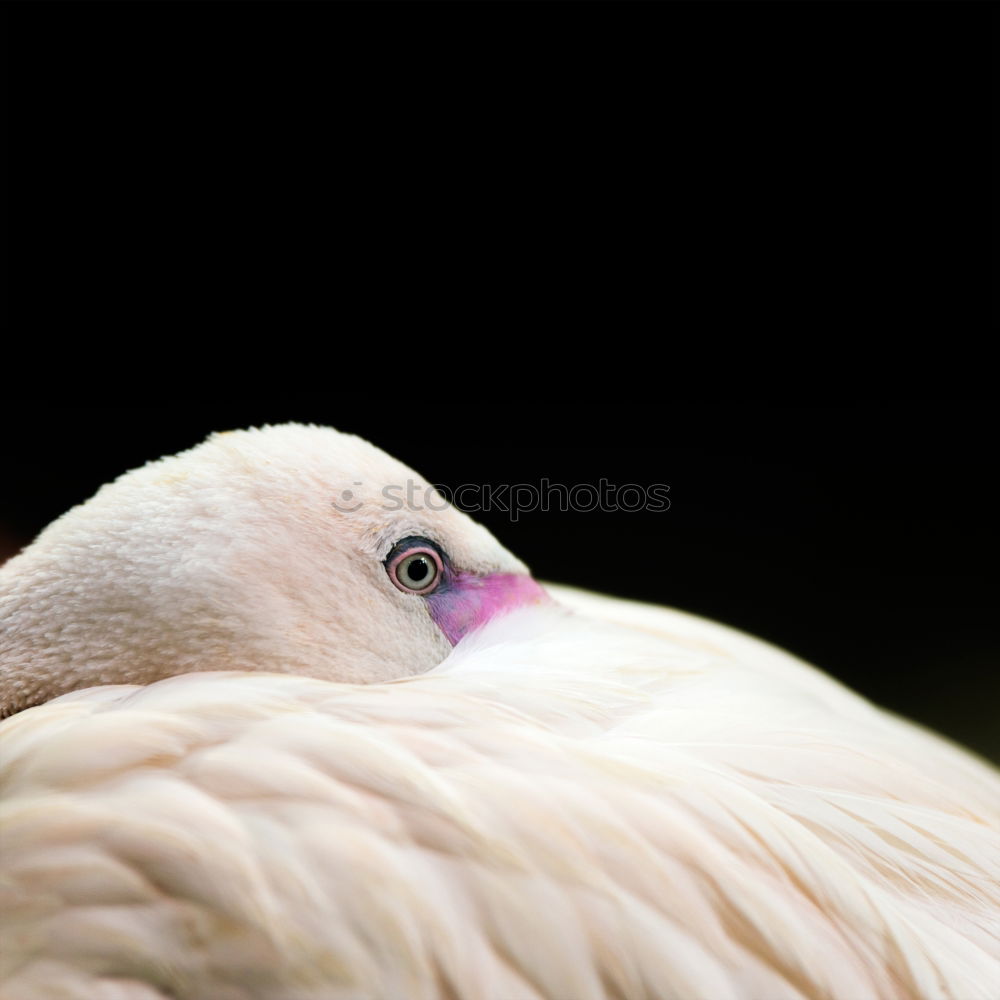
(648, 806)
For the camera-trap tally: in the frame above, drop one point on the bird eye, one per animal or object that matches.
(416, 570)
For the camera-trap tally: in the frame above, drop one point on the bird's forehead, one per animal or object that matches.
(381, 501)
(372, 498)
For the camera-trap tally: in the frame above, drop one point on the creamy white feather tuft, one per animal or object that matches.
(583, 799)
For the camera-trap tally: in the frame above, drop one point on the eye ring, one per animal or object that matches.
(410, 568)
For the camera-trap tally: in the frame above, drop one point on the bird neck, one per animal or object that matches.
(28, 667)
(59, 633)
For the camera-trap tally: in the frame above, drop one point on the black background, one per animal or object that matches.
(394, 218)
(858, 535)
(722, 174)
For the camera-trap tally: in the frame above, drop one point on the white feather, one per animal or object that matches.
(588, 800)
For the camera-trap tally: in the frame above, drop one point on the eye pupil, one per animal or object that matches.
(417, 569)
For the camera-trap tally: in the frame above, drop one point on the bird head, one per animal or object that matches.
(289, 548)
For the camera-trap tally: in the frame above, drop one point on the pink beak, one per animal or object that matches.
(470, 601)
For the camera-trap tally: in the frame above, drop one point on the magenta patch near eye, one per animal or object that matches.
(473, 600)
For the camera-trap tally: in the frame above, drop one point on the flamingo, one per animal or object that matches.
(268, 737)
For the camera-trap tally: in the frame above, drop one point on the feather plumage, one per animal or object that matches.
(579, 800)
(566, 807)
